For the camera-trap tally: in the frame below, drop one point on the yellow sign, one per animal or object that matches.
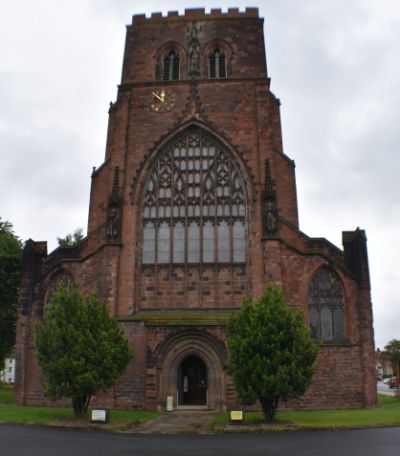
(236, 415)
(170, 404)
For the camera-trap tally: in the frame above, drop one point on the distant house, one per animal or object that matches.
(7, 375)
(384, 367)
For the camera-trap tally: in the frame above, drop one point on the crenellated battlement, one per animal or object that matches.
(193, 209)
(196, 14)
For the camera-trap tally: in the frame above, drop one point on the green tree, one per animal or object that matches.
(10, 269)
(271, 355)
(71, 239)
(80, 347)
(392, 351)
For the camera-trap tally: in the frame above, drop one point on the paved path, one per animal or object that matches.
(178, 422)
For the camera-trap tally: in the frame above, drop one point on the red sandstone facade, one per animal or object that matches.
(194, 208)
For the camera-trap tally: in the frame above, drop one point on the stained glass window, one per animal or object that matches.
(194, 204)
(326, 306)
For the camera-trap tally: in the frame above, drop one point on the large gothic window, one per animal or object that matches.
(171, 70)
(54, 287)
(326, 306)
(194, 204)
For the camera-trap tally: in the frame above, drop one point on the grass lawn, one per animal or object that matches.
(119, 419)
(386, 414)
(384, 401)
(31, 415)
(6, 394)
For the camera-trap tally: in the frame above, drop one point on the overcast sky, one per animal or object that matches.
(334, 64)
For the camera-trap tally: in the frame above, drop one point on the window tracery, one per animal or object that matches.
(194, 204)
(217, 63)
(54, 287)
(171, 66)
(326, 306)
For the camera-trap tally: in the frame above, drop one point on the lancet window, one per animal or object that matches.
(326, 306)
(217, 63)
(171, 66)
(194, 204)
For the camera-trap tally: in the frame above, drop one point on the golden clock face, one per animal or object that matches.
(162, 101)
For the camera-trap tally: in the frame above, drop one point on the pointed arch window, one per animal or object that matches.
(326, 306)
(217, 63)
(54, 287)
(171, 66)
(194, 204)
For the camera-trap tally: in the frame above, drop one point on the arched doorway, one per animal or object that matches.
(192, 382)
(196, 350)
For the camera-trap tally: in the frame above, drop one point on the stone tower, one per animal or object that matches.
(194, 208)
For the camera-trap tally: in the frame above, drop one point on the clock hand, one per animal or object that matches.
(160, 98)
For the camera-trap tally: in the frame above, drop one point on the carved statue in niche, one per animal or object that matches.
(194, 37)
(112, 225)
(113, 210)
(270, 210)
(270, 217)
(194, 59)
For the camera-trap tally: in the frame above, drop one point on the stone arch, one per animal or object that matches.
(178, 347)
(165, 142)
(326, 305)
(50, 281)
(225, 47)
(194, 184)
(164, 49)
(223, 221)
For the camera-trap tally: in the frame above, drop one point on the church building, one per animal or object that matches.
(193, 208)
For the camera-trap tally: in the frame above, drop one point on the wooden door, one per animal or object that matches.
(192, 381)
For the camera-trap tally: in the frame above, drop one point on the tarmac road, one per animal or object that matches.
(18, 440)
(383, 388)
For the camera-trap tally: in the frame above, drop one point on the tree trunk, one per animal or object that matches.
(81, 405)
(269, 407)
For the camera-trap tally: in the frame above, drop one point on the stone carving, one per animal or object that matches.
(270, 209)
(194, 37)
(270, 217)
(194, 60)
(112, 107)
(194, 32)
(113, 210)
(112, 226)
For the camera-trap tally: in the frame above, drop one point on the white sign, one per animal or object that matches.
(99, 415)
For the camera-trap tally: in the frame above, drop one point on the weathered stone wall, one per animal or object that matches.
(243, 115)
(146, 38)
